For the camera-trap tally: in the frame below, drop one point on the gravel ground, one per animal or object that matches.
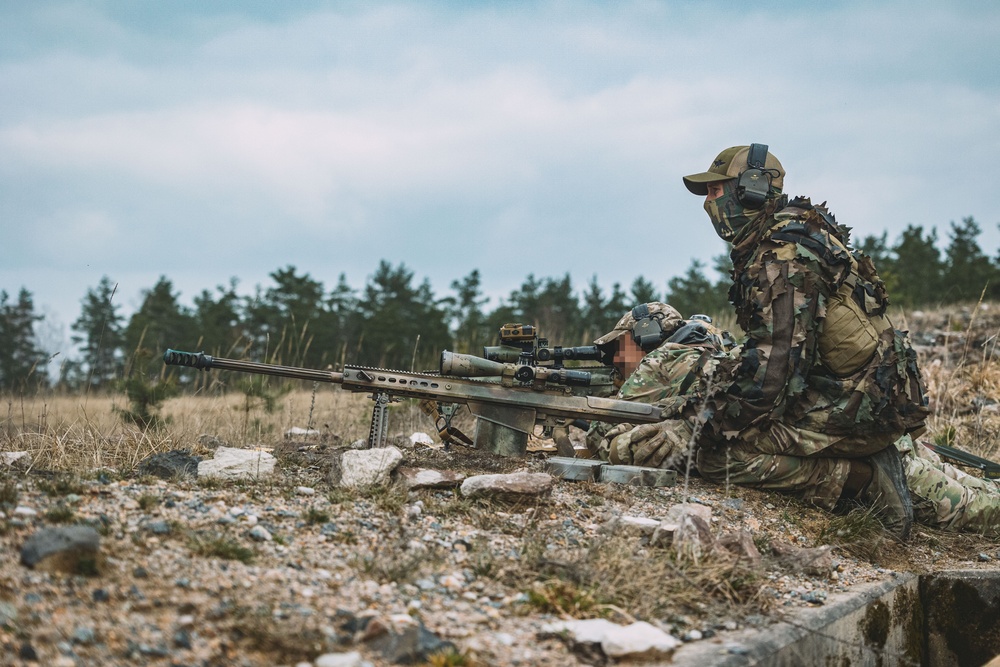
(287, 570)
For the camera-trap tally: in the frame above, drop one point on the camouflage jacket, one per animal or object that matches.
(787, 264)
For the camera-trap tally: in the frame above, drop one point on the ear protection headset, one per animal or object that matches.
(754, 183)
(647, 332)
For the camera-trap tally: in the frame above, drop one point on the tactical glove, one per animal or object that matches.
(659, 445)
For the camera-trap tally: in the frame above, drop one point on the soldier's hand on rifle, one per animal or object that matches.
(651, 445)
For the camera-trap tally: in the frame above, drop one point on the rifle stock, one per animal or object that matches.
(506, 413)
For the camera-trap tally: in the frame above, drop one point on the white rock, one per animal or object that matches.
(260, 533)
(677, 512)
(21, 510)
(305, 490)
(505, 638)
(639, 639)
(402, 621)
(295, 430)
(636, 525)
(368, 467)
(352, 659)
(518, 483)
(419, 438)
(425, 478)
(233, 463)
(453, 582)
(664, 534)
(8, 458)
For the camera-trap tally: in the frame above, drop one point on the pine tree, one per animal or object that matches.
(550, 305)
(399, 326)
(916, 268)
(694, 293)
(22, 363)
(338, 324)
(599, 314)
(643, 291)
(968, 270)
(877, 248)
(101, 336)
(218, 321)
(160, 323)
(465, 311)
(282, 320)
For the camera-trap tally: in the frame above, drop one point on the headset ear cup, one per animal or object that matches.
(754, 183)
(752, 188)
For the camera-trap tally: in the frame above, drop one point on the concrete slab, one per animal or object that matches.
(962, 616)
(577, 470)
(638, 476)
(875, 625)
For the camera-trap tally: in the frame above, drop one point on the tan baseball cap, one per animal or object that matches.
(729, 164)
(668, 316)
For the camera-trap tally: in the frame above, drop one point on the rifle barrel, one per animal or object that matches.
(204, 362)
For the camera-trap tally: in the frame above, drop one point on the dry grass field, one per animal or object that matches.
(957, 348)
(73, 433)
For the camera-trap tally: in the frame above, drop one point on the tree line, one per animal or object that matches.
(395, 322)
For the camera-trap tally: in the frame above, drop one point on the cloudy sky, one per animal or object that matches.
(205, 140)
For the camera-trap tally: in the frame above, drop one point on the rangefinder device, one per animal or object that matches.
(510, 333)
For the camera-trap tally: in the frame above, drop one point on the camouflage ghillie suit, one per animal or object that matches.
(796, 405)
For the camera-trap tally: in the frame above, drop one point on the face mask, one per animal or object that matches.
(728, 215)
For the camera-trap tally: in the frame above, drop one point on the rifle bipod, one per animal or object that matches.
(378, 433)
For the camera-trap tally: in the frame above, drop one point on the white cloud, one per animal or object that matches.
(336, 137)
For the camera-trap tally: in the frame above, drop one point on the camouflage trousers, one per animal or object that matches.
(805, 464)
(808, 465)
(945, 497)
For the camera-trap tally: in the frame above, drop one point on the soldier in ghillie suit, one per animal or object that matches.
(695, 355)
(825, 383)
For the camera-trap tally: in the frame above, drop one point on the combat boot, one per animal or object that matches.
(888, 494)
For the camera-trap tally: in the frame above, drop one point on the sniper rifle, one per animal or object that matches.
(507, 410)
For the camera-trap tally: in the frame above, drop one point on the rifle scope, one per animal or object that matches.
(469, 366)
(505, 354)
(560, 354)
(561, 376)
(508, 354)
